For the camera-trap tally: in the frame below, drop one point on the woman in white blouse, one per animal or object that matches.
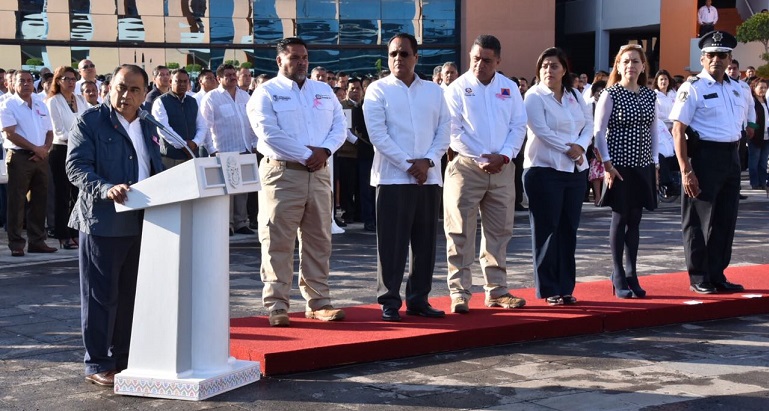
(560, 127)
(758, 146)
(666, 96)
(65, 107)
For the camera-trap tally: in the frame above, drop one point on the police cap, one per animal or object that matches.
(717, 41)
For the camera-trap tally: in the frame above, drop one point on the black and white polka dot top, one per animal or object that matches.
(628, 134)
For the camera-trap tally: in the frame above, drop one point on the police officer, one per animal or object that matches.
(713, 106)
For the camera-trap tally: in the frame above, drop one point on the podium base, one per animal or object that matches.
(192, 388)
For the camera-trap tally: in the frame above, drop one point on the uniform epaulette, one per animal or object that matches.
(693, 79)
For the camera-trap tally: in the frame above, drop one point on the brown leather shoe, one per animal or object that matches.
(104, 379)
(17, 253)
(325, 313)
(40, 248)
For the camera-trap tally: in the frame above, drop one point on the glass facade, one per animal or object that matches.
(349, 35)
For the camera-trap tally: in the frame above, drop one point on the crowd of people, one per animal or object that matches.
(405, 151)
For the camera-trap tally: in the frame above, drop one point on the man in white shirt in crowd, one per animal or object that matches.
(408, 124)
(449, 73)
(87, 71)
(28, 133)
(179, 112)
(319, 74)
(488, 125)
(707, 16)
(299, 123)
(3, 87)
(224, 111)
(749, 114)
(244, 79)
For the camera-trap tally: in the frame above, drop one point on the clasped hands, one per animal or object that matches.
(317, 159)
(575, 152)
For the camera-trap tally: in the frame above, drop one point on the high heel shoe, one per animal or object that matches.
(635, 287)
(67, 245)
(619, 286)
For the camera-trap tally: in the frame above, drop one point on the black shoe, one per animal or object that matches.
(232, 233)
(369, 227)
(520, 207)
(703, 288)
(426, 311)
(743, 197)
(339, 222)
(390, 314)
(727, 287)
(253, 226)
(245, 230)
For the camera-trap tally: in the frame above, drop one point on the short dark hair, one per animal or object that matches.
(85, 83)
(353, 80)
(179, 71)
(204, 72)
(132, 68)
(566, 80)
(596, 85)
(222, 67)
(487, 41)
(157, 69)
(283, 44)
(341, 74)
(735, 62)
(407, 36)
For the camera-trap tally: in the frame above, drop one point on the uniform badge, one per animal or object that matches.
(505, 91)
(469, 92)
(718, 36)
(736, 93)
(682, 96)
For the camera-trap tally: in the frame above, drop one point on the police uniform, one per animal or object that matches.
(714, 110)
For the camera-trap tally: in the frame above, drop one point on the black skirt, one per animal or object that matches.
(637, 189)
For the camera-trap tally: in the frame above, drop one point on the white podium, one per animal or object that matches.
(180, 342)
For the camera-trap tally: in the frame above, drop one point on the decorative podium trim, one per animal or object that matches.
(192, 389)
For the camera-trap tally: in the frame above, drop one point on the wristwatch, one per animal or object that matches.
(431, 162)
(328, 152)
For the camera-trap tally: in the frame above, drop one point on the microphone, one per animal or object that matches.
(145, 115)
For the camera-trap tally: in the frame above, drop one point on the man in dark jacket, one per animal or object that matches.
(109, 150)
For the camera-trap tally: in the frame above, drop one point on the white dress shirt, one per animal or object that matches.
(134, 130)
(62, 118)
(32, 123)
(227, 121)
(161, 115)
(405, 123)
(485, 119)
(289, 119)
(552, 125)
(719, 108)
(707, 15)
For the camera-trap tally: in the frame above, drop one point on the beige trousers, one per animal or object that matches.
(294, 202)
(468, 189)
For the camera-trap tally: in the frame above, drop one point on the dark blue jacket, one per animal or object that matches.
(100, 155)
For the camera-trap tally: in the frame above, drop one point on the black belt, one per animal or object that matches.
(717, 145)
(22, 151)
(290, 165)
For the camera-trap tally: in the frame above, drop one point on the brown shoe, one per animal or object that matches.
(279, 318)
(325, 313)
(459, 305)
(40, 248)
(17, 253)
(104, 379)
(505, 301)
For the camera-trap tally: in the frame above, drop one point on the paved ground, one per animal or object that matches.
(718, 365)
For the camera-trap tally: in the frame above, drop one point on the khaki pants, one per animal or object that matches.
(468, 189)
(26, 176)
(294, 202)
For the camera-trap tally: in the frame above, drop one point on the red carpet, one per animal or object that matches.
(362, 336)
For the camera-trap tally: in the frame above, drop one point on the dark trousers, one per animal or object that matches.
(3, 194)
(108, 270)
(367, 194)
(65, 193)
(518, 161)
(26, 176)
(252, 203)
(555, 206)
(348, 186)
(706, 28)
(406, 215)
(708, 221)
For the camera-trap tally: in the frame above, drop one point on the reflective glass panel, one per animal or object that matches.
(358, 31)
(222, 30)
(359, 9)
(439, 9)
(265, 9)
(439, 32)
(429, 58)
(400, 9)
(316, 9)
(268, 31)
(393, 27)
(318, 31)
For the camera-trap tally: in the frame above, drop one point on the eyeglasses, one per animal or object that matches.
(401, 54)
(87, 66)
(721, 55)
(68, 79)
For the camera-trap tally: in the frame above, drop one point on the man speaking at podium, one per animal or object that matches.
(109, 150)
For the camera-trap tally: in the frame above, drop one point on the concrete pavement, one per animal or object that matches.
(712, 365)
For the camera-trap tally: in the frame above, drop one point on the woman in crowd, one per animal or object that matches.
(595, 173)
(758, 148)
(90, 91)
(559, 130)
(626, 137)
(666, 96)
(64, 106)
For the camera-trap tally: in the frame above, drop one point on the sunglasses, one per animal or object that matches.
(631, 46)
(402, 54)
(87, 66)
(721, 55)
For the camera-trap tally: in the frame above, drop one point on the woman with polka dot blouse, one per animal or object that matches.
(626, 137)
